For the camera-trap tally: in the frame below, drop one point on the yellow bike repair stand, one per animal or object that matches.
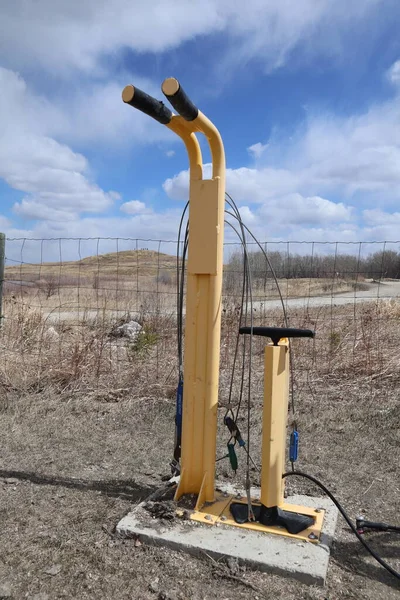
(203, 332)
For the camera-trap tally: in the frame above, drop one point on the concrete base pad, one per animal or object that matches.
(305, 561)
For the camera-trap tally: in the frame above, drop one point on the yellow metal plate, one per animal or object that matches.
(219, 512)
(205, 226)
(314, 531)
(210, 513)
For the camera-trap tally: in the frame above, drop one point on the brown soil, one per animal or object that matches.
(72, 467)
(78, 450)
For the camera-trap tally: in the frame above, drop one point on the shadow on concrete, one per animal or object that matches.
(127, 489)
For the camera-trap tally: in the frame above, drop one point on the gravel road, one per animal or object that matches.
(383, 290)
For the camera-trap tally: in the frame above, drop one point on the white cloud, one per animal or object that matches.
(247, 185)
(257, 185)
(51, 173)
(285, 196)
(63, 36)
(295, 209)
(277, 210)
(4, 223)
(91, 112)
(394, 73)
(30, 209)
(256, 150)
(334, 178)
(114, 195)
(94, 234)
(170, 153)
(95, 113)
(360, 153)
(269, 222)
(247, 215)
(376, 217)
(290, 216)
(271, 31)
(134, 207)
(330, 155)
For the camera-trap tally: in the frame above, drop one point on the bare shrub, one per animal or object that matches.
(50, 286)
(165, 278)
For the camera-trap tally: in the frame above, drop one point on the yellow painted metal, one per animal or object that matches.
(314, 531)
(218, 512)
(181, 127)
(203, 303)
(203, 307)
(202, 339)
(276, 388)
(202, 124)
(204, 213)
(205, 126)
(276, 393)
(211, 512)
(202, 346)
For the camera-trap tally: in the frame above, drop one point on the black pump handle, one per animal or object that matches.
(277, 333)
(147, 104)
(179, 99)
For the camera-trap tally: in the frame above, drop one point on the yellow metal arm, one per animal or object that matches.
(203, 307)
(178, 125)
(204, 285)
(197, 121)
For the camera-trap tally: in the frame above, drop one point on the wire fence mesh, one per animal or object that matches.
(67, 305)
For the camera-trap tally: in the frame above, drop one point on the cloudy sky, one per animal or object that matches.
(306, 95)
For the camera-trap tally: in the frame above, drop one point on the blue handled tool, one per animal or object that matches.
(294, 446)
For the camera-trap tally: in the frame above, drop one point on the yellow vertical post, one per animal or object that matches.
(276, 392)
(204, 285)
(203, 309)
(202, 338)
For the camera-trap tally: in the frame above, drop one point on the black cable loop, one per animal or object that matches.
(248, 293)
(286, 320)
(372, 552)
(179, 287)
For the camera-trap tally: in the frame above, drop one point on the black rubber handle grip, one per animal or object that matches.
(179, 99)
(277, 333)
(147, 104)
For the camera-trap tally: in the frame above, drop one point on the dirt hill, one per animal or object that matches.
(124, 263)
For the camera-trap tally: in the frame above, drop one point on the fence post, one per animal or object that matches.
(2, 260)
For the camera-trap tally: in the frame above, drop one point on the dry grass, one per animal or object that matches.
(301, 287)
(59, 317)
(81, 354)
(87, 430)
(133, 281)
